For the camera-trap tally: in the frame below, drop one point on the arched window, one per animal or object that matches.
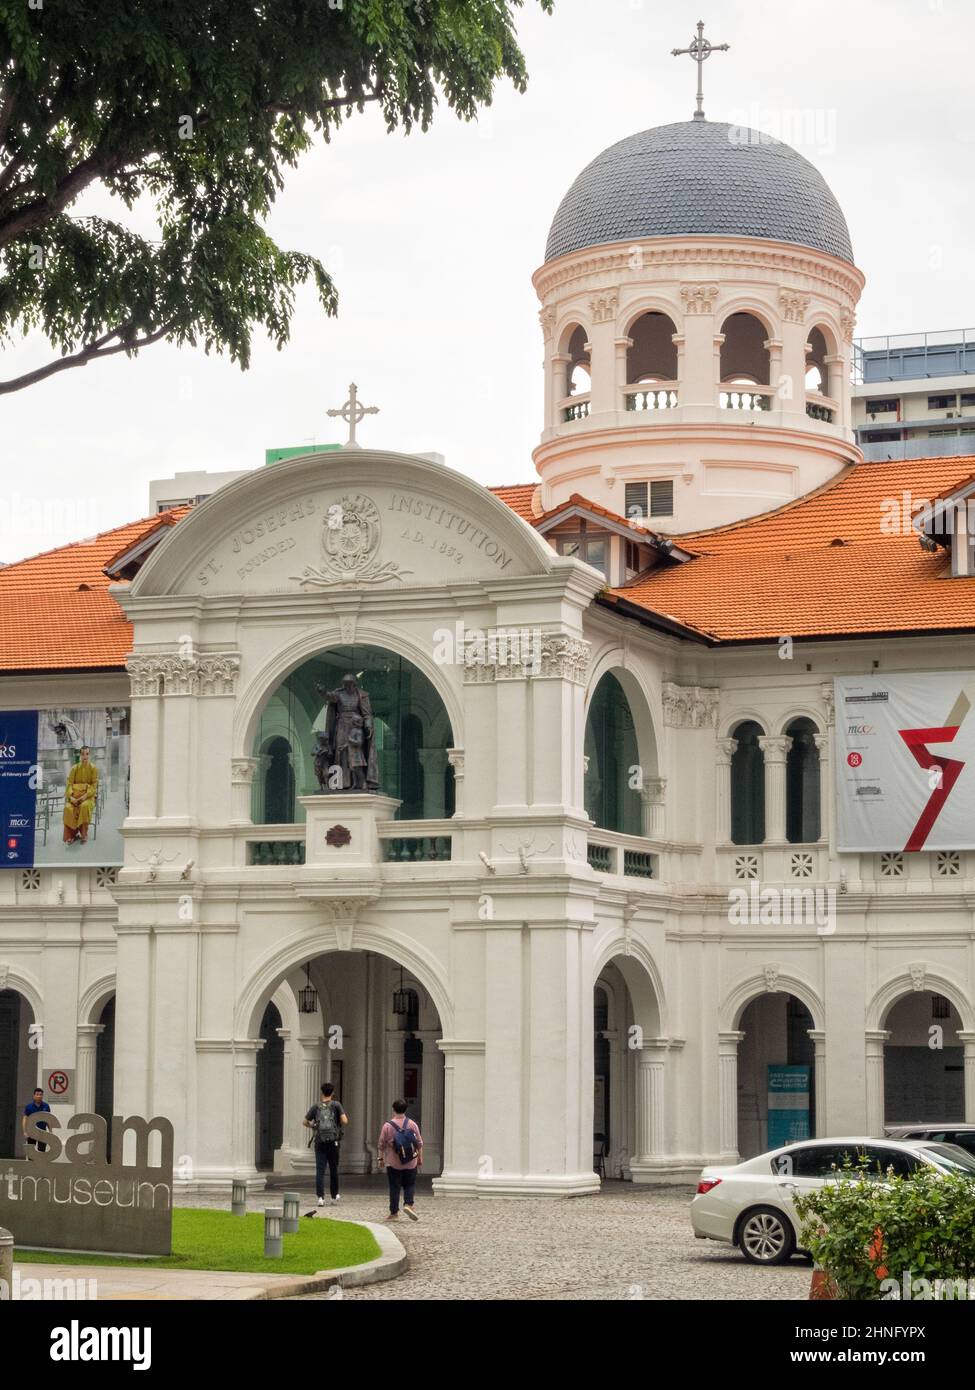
(817, 372)
(412, 735)
(611, 749)
(748, 785)
(279, 783)
(745, 362)
(579, 370)
(652, 355)
(802, 784)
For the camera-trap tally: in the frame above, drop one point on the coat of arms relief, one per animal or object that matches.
(350, 539)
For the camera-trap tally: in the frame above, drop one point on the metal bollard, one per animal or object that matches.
(6, 1264)
(273, 1242)
(292, 1201)
(238, 1197)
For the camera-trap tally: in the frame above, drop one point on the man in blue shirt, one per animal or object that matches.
(38, 1103)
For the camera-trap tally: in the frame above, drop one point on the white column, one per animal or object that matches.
(875, 1040)
(455, 756)
(88, 1034)
(774, 348)
(718, 341)
(822, 747)
(559, 371)
(394, 1069)
(245, 1106)
(653, 798)
(835, 386)
(775, 749)
(650, 1092)
(822, 1110)
(728, 1093)
(724, 748)
(242, 779)
(283, 1163)
(433, 1107)
(968, 1038)
(622, 347)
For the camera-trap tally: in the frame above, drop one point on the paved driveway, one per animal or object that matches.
(627, 1243)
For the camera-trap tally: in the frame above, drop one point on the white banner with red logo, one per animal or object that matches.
(905, 762)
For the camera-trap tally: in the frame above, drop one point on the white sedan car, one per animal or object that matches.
(751, 1204)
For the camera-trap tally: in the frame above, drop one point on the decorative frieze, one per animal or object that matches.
(548, 656)
(169, 673)
(699, 299)
(794, 305)
(690, 706)
(602, 307)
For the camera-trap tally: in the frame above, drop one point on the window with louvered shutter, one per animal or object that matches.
(662, 497)
(635, 502)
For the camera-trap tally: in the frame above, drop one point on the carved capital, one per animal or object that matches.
(603, 306)
(546, 317)
(699, 299)
(217, 673)
(794, 305)
(455, 756)
(725, 748)
(516, 655)
(196, 673)
(775, 747)
(848, 323)
(243, 769)
(144, 673)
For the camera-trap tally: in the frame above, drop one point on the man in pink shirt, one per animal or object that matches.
(400, 1153)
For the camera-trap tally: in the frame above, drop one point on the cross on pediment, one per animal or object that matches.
(352, 412)
(700, 50)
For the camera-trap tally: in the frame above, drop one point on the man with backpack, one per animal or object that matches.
(327, 1119)
(400, 1153)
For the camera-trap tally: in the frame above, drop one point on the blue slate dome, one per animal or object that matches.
(699, 178)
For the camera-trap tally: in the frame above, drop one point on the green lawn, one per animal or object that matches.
(217, 1240)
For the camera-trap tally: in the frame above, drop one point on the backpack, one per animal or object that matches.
(404, 1141)
(327, 1128)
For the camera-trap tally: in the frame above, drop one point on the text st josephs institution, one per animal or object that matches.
(586, 813)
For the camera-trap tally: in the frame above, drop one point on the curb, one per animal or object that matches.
(392, 1262)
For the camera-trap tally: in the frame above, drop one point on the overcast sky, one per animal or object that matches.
(433, 240)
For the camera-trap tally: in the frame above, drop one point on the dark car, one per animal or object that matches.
(962, 1135)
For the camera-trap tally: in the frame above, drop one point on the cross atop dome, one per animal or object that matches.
(700, 50)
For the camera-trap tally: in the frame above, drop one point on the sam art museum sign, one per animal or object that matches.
(78, 1193)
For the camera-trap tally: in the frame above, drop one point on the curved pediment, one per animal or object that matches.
(351, 518)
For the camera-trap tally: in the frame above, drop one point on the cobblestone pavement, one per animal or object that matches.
(627, 1243)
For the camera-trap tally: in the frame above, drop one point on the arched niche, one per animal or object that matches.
(412, 732)
(614, 771)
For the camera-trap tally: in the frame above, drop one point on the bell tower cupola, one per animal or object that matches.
(698, 301)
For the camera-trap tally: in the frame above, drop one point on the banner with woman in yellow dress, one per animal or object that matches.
(80, 796)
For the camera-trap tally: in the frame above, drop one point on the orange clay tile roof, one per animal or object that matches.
(49, 622)
(780, 575)
(517, 496)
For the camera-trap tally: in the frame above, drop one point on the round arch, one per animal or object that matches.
(801, 712)
(649, 304)
(744, 716)
(566, 328)
(737, 1001)
(278, 963)
(643, 980)
(27, 987)
(287, 659)
(647, 717)
(902, 984)
(94, 999)
(748, 304)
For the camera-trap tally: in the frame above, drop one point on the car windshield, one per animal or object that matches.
(950, 1156)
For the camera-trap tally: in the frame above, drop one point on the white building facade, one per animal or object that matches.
(528, 931)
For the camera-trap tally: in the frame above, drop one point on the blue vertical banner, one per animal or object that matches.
(788, 1104)
(18, 786)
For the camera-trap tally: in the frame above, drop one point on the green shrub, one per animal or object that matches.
(928, 1232)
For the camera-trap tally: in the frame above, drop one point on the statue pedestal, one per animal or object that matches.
(341, 828)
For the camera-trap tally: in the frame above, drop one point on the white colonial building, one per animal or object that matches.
(603, 701)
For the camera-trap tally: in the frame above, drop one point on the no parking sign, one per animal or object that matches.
(60, 1085)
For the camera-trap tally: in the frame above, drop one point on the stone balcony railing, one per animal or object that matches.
(574, 408)
(819, 407)
(623, 856)
(661, 395)
(746, 397)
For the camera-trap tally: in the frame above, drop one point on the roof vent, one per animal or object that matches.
(837, 540)
(82, 587)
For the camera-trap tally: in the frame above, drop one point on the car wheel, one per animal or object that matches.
(766, 1237)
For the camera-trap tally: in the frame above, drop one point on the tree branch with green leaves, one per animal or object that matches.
(199, 111)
